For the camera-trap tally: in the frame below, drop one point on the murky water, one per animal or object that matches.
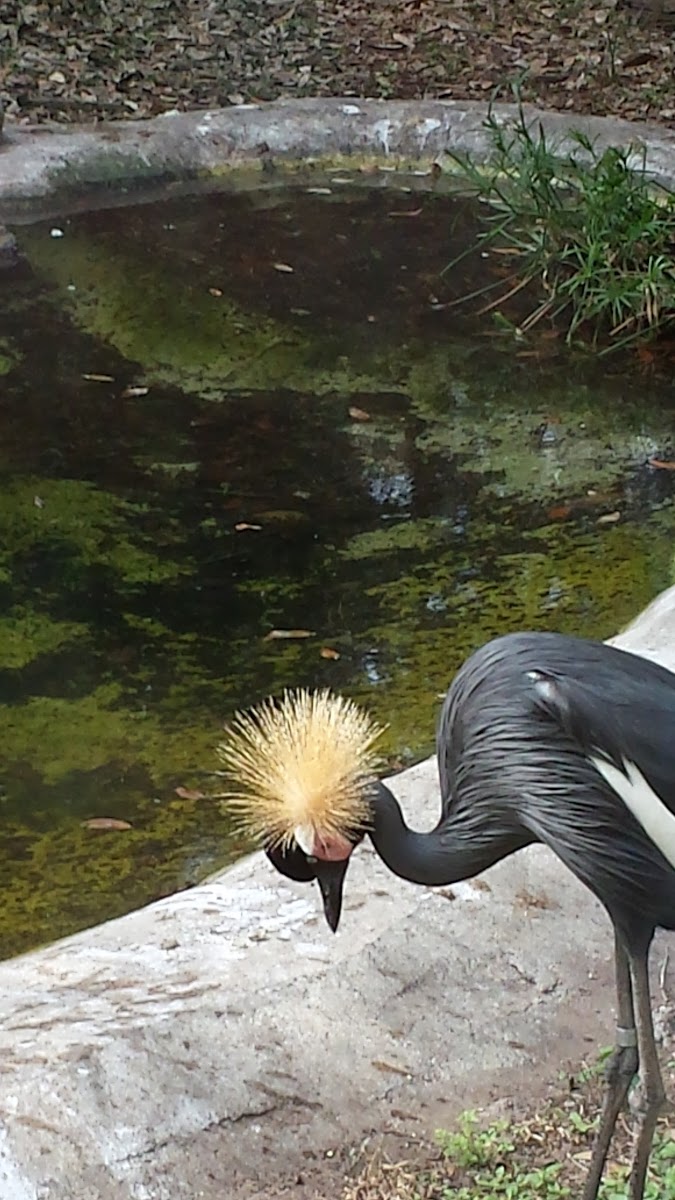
(228, 418)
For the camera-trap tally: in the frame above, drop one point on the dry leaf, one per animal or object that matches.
(38, 502)
(328, 652)
(560, 512)
(359, 414)
(130, 392)
(411, 212)
(662, 464)
(105, 823)
(151, 71)
(245, 525)
(279, 635)
(215, 292)
(93, 378)
(609, 518)
(189, 793)
(638, 59)
(404, 39)
(390, 1068)
(283, 267)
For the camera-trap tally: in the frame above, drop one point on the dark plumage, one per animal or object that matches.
(552, 739)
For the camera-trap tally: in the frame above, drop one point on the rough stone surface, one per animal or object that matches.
(41, 162)
(8, 248)
(213, 1042)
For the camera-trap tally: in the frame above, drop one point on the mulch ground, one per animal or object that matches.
(86, 60)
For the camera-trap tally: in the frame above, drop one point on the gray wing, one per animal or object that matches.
(606, 701)
(518, 730)
(624, 715)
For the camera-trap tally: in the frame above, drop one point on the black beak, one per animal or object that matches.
(331, 879)
(294, 863)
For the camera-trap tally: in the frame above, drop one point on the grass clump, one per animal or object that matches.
(587, 228)
(469, 1146)
(490, 1163)
(543, 1156)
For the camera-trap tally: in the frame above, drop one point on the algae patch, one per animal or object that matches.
(91, 526)
(10, 356)
(434, 613)
(176, 330)
(25, 635)
(369, 474)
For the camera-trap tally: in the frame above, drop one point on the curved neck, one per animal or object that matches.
(464, 843)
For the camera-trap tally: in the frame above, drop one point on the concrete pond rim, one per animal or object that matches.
(50, 169)
(221, 1042)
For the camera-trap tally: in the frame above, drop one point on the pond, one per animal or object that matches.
(228, 419)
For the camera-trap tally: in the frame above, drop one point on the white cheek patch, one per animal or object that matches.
(305, 836)
(654, 816)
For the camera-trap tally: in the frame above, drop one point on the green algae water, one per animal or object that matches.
(247, 443)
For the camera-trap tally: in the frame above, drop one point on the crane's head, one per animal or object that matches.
(300, 770)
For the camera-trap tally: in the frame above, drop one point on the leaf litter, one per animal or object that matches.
(83, 60)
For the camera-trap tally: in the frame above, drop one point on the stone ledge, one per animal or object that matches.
(52, 163)
(221, 1038)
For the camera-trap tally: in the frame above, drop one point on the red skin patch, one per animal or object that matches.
(331, 847)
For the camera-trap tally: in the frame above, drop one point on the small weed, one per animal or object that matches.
(581, 1123)
(471, 1146)
(660, 1181)
(489, 1156)
(589, 1071)
(588, 229)
(542, 1184)
(542, 1158)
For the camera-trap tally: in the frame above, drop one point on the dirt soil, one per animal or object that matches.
(84, 60)
(412, 1166)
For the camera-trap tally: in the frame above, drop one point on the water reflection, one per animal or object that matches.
(198, 451)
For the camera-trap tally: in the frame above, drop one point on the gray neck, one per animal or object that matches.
(464, 843)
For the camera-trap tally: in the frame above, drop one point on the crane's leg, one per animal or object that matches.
(619, 1071)
(653, 1094)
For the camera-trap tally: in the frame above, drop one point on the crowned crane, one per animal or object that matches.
(541, 738)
